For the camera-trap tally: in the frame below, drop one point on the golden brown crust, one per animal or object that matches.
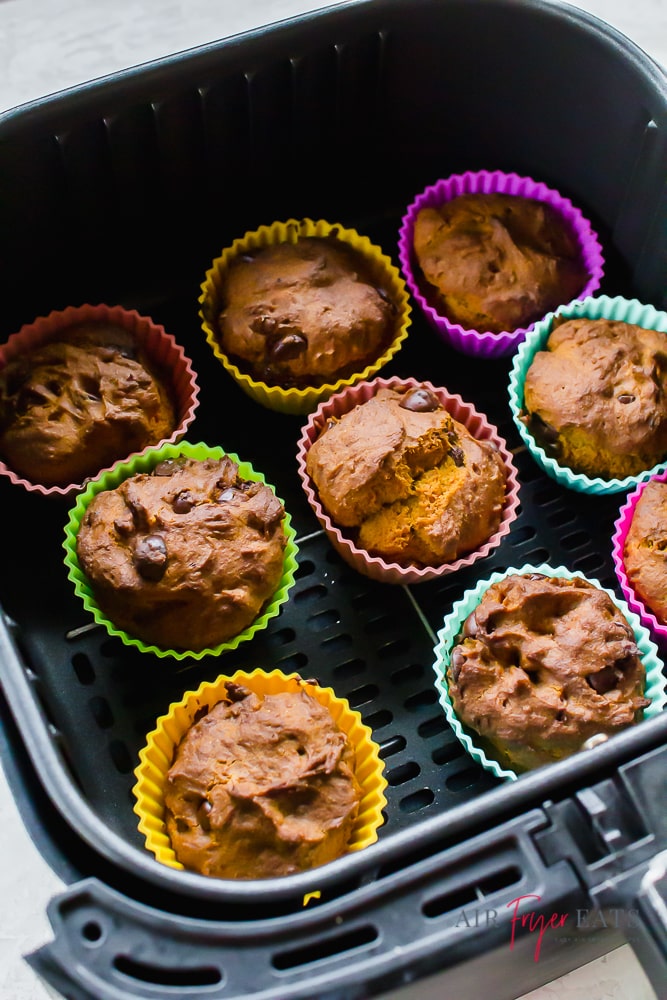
(543, 664)
(261, 786)
(596, 398)
(497, 262)
(79, 403)
(304, 313)
(185, 557)
(645, 554)
(414, 483)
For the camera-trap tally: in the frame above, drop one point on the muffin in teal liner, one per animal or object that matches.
(547, 659)
(598, 394)
(183, 551)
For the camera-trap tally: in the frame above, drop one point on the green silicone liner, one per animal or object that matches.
(602, 307)
(648, 651)
(145, 463)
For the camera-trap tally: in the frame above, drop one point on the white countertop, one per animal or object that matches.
(45, 46)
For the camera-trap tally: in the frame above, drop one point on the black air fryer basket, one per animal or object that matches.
(123, 191)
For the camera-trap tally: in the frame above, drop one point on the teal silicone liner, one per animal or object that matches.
(145, 463)
(655, 688)
(602, 307)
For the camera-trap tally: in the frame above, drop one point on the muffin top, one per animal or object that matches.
(184, 557)
(410, 479)
(261, 786)
(304, 313)
(596, 398)
(541, 665)
(645, 553)
(497, 262)
(79, 403)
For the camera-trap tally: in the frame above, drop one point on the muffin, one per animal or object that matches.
(77, 403)
(595, 398)
(258, 775)
(183, 555)
(298, 309)
(645, 548)
(542, 664)
(408, 480)
(487, 253)
(497, 262)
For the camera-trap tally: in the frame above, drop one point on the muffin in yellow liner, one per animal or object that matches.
(157, 756)
(380, 270)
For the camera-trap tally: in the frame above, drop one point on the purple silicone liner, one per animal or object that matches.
(484, 344)
(621, 528)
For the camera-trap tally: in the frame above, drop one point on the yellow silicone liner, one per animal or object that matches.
(157, 756)
(383, 271)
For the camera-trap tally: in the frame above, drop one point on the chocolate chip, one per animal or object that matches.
(227, 494)
(236, 692)
(604, 680)
(458, 457)
(166, 468)
(626, 397)
(420, 401)
(384, 294)
(150, 557)
(471, 626)
(456, 662)
(201, 712)
(183, 502)
(535, 576)
(203, 813)
(288, 347)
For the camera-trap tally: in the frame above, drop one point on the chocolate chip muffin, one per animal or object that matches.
(261, 786)
(304, 313)
(496, 262)
(543, 664)
(79, 403)
(596, 397)
(185, 557)
(410, 482)
(645, 550)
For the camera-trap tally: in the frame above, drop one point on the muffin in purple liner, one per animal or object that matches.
(488, 254)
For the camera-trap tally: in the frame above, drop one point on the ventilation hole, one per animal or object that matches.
(463, 779)
(111, 648)
(446, 754)
(522, 534)
(83, 668)
(547, 495)
(296, 662)
(406, 674)
(536, 556)
(392, 745)
(102, 712)
(363, 695)
(575, 541)
(305, 568)
(315, 593)
(336, 642)
(398, 647)
(350, 668)
(405, 772)
(174, 976)
(450, 902)
(590, 563)
(432, 727)
(418, 800)
(379, 719)
(284, 635)
(422, 701)
(120, 756)
(500, 880)
(91, 931)
(382, 624)
(559, 518)
(323, 949)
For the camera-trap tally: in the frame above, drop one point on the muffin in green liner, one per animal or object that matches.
(147, 463)
(481, 751)
(614, 309)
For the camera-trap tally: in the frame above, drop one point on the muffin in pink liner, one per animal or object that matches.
(106, 384)
(622, 527)
(502, 506)
(484, 343)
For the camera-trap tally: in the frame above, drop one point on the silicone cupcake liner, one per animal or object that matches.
(301, 400)
(621, 528)
(481, 343)
(602, 307)
(453, 623)
(145, 463)
(361, 560)
(159, 346)
(158, 754)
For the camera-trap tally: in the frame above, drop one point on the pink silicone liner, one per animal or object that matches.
(360, 559)
(621, 528)
(159, 345)
(484, 344)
